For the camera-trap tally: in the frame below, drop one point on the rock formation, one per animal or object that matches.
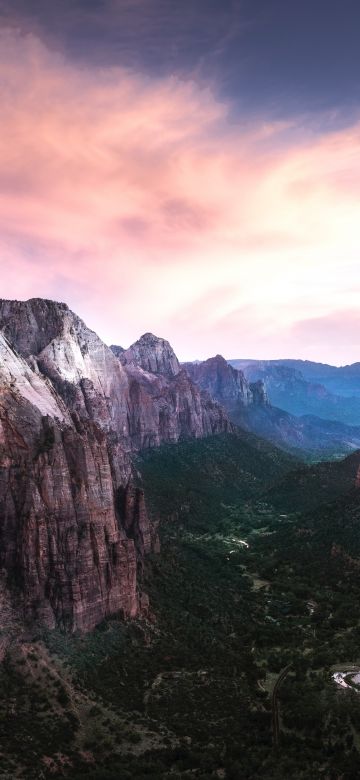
(152, 354)
(259, 394)
(225, 383)
(73, 523)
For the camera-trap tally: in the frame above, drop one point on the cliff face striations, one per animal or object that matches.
(165, 404)
(73, 524)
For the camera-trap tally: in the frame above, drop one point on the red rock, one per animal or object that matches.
(73, 523)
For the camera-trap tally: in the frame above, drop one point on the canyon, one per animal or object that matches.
(74, 416)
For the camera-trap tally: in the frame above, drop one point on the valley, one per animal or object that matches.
(187, 686)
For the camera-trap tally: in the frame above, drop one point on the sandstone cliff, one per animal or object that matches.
(73, 524)
(151, 353)
(68, 545)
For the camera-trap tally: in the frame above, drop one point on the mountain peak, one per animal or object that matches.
(31, 325)
(153, 354)
(221, 380)
(219, 359)
(150, 337)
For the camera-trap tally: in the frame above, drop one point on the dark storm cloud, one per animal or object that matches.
(279, 56)
(156, 34)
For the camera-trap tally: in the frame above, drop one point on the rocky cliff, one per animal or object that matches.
(68, 544)
(73, 522)
(151, 353)
(164, 403)
(225, 383)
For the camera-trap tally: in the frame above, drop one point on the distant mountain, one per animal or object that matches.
(248, 405)
(303, 388)
(307, 434)
(225, 383)
(340, 380)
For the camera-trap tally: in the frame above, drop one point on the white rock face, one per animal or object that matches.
(21, 379)
(141, 398)
(78, 353)
(55, 340)
(59, 340)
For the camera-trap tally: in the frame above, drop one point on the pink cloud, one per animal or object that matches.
(338, 328)
(139, 202)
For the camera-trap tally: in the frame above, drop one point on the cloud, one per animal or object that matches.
(139, 198)
(142, 34)
(338, 329)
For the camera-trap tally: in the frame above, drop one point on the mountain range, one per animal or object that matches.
(258, 399)
(74, 413)
(301, 387)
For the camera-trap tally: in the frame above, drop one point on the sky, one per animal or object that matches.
(186, 167)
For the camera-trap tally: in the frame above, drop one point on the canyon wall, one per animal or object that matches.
(73, 522)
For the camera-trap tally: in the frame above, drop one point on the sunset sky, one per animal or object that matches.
(186, 167)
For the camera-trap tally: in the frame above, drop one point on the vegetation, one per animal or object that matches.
(244, 586)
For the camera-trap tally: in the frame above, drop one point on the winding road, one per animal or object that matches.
(275, 705)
